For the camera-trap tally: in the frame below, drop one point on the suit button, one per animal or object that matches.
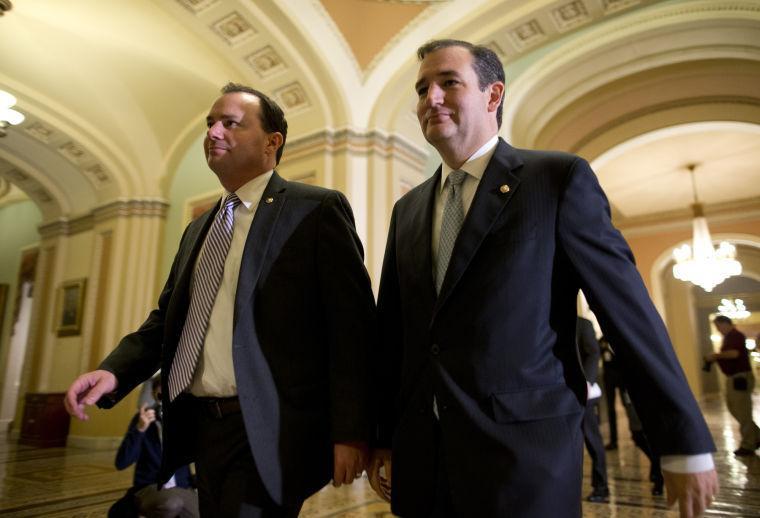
(434, 349)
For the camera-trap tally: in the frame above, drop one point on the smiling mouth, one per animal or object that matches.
(438, 117)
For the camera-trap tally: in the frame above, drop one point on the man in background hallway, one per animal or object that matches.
(480, 391)
(589, 351)
(733, 360)
(262, 331)
(612, 380)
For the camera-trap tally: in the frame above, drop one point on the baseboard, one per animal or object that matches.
(93, 443)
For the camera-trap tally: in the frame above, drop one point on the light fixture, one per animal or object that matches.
(8, 116)
(733, 309)
(704, 265)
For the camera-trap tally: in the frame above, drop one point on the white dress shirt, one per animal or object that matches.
(214, 375)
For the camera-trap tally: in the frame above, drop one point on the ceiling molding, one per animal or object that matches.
(609, 126)
(680, 219)
(357, 142)
(116, 209)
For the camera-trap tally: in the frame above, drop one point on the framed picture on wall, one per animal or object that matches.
(3, 303)
(70, 307)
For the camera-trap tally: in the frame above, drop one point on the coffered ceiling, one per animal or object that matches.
(115, 92)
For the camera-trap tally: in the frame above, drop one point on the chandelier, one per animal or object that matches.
(7, 114)
(702, 264)
(733, 309)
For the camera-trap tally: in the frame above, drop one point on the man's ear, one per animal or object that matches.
(274, 140)
(496, 92)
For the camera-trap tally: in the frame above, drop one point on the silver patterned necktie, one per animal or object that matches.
(451, 223)
(203, 289)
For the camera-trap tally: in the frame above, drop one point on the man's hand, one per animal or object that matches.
(693, 491)
(147, 416)
(86, 390)
(380, 481)
(350, 459)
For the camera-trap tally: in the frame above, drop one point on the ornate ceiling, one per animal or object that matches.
(116, 92)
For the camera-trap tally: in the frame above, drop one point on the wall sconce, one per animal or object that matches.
(8, 116)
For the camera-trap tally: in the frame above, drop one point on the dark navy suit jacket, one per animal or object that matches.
(304, 320)
(497, 345)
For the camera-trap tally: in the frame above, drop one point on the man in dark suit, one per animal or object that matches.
(480, 391)
(264, 374)
(589, 351)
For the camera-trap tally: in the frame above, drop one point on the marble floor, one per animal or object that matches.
(71, 482)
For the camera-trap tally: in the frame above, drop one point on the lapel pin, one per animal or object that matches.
(504, 189)
(269, 200)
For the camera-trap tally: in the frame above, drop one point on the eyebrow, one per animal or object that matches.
(223, 116)
(442, 73)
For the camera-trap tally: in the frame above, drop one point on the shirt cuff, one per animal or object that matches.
(687, 463)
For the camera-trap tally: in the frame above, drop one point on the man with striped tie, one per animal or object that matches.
(262, 331)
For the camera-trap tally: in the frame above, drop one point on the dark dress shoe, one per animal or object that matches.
(611, 446)
(599, 494)
(744, 452)
(657, 488)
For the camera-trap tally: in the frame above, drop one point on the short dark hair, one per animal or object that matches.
(723, 319)
(271, 115)
(485, 62)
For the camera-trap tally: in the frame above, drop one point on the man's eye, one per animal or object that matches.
(450, 82)
(422, 91)
(230, 124)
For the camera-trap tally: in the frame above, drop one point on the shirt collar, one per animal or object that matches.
(476, 164)
(251, 191)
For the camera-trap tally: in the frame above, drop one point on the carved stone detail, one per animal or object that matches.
(292, 97)
(73, 152)
(196, 6)
(266, 62)
(570, 15)
(234, 29)
(527, 35)
(40, 132)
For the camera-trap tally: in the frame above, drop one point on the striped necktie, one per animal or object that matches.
(203, 289)
(451, 223)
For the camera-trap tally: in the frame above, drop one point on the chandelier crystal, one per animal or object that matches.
(701, 263)
(733, 309)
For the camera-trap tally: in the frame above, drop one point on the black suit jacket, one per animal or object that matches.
(497, 345)
(304, 319)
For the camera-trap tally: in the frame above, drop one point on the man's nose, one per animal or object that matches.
(434, 95)
(215, 131)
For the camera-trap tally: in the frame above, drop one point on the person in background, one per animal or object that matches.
(613, 382)
(589, 351)
(641, 441)
(142, 446)
(733, 360)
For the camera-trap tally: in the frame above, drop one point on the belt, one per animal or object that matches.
(217, 407)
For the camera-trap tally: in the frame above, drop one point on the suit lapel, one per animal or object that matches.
(258, 239)
(487, 205)
(420, 224)
(196, 236)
